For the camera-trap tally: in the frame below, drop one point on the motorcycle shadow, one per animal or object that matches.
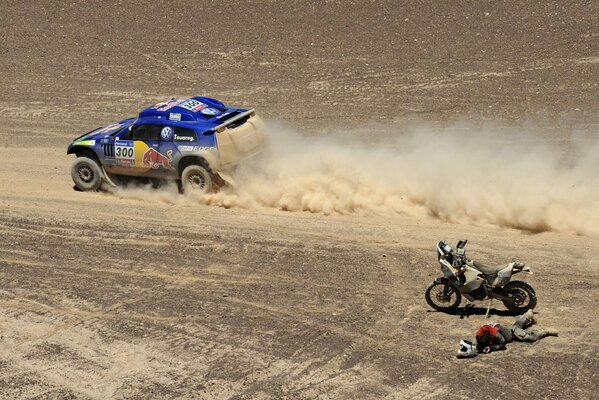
(470, 309)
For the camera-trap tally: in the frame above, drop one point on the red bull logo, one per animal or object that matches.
(155, 159)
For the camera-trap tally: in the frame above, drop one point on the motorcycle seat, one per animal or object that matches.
(489, 271)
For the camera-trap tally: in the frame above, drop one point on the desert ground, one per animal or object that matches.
(144, 293)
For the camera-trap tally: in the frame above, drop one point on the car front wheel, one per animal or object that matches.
(196, 179)
(86, 174)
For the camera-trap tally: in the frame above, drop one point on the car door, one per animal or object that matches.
(146, 140)
(124, 153)
(137, 152)
(167, 150)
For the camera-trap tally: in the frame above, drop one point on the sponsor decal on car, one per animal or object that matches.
(185, 148)
(154, 159)
(110, 128)
(174, 117)
(165, 105)
(203, 148)
(193, 105)
(124, 152)
(179, 138)
(85, 143)
(210, 111)
(166, 133)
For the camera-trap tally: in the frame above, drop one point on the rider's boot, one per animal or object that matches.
(546, 332)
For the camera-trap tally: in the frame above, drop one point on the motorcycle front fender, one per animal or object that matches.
(454, 283)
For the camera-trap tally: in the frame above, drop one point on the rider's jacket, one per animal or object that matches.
(500, 335)
(491, 328)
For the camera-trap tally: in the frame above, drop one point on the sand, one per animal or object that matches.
(307, 280)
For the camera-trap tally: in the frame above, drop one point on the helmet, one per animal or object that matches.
(467, 349)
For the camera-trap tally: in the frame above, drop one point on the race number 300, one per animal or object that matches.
(125, 152)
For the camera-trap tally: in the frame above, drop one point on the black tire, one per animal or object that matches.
(438, 301)
(86, 174)
(197, 179)
(523, 297)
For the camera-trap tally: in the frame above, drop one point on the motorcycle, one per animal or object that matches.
(464, 277)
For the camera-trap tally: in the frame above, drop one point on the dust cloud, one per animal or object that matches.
(517, 177)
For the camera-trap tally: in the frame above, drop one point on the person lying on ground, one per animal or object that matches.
(494, 337)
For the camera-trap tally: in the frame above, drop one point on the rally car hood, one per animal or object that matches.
(103, 132)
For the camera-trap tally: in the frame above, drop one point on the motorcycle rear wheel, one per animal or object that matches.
(523, 297)
(436, 299)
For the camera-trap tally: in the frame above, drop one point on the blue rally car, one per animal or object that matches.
(197, 141)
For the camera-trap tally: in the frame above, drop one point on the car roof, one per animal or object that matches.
(194, 109)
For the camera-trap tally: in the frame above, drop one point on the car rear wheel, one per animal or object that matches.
(86, 174)
(196, 179)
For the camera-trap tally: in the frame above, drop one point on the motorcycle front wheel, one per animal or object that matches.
(522, 297)
(442, 297)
